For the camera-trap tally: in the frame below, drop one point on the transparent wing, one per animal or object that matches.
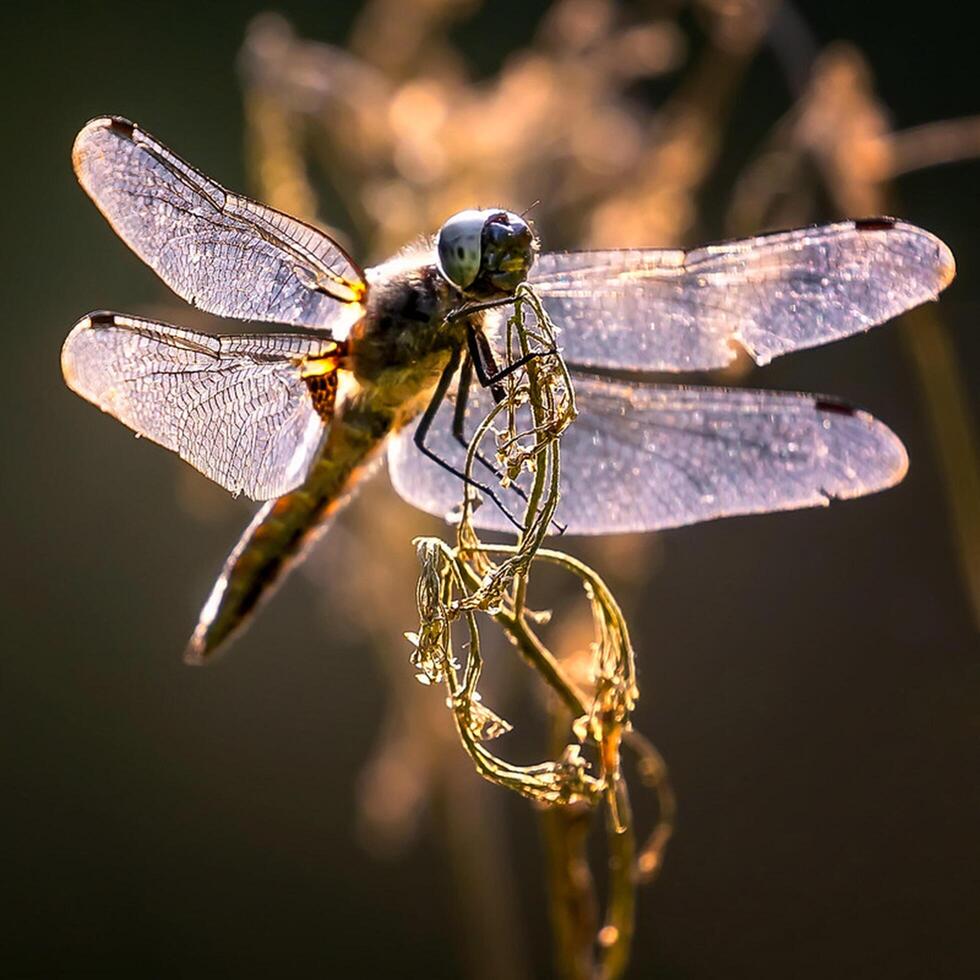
(641, 457)
(247, 411)
(666, 310)
(221, 252)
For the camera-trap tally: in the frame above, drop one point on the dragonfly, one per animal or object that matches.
(400, 359)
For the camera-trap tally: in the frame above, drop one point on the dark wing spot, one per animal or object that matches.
(121, 127)
(874, 224)
(102, 318)
(837, 408)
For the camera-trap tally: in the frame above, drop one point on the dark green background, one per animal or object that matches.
(812, 678)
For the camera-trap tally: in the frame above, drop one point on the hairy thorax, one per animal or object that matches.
(404, 340)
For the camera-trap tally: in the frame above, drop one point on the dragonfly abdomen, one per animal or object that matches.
(284, 528)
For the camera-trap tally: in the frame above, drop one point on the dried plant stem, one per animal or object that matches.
(616, 935)
(573, 906)
(653, 773)
(540, 658)
(457, 584)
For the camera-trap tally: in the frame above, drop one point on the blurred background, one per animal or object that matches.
(302, 806)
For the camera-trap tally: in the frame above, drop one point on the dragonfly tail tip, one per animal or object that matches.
(196, 652)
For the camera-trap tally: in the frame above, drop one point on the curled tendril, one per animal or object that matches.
(457, 584)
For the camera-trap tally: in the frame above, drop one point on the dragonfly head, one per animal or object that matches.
(486, 254)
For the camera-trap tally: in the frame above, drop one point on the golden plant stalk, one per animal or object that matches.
(459, 583)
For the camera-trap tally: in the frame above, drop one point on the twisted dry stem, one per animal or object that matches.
(457, 584)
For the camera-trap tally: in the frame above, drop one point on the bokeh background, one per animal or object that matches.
(302, 807)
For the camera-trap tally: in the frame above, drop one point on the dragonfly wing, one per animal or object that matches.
(219, 251)
(672, 310)
(248, 411)
(641, 457)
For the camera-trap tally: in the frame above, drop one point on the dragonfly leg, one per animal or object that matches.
(425, 424)
(468, 309)
(459, 420)
(465, 377)
(487, 372)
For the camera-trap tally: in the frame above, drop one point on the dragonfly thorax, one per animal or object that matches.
(485, 254)
(406, 322)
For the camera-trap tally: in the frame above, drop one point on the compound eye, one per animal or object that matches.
(459, 247)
